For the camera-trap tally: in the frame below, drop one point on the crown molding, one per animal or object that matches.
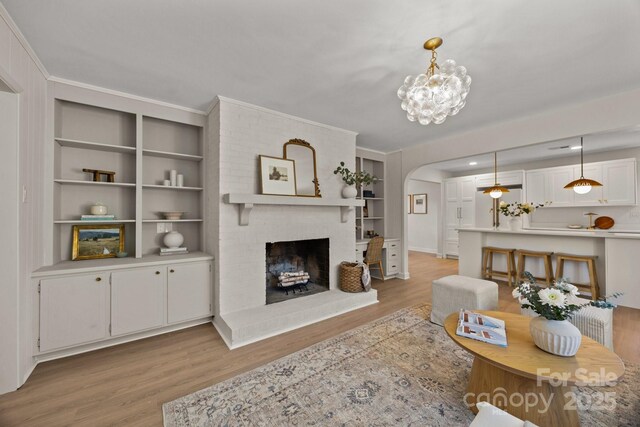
(125, 95)
(371, 150)
(278, 113)
(22, 40)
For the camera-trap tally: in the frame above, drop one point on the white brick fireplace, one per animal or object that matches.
(237, 134)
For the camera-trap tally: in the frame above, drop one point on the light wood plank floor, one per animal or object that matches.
(127, 384)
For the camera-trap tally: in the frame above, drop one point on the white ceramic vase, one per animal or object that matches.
(559, 337)
(515, 223)
(173, 239)
(349, 192)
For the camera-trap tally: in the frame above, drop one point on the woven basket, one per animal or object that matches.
(351, 277)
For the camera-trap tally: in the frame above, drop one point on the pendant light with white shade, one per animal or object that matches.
(582, 185)
(497, 190)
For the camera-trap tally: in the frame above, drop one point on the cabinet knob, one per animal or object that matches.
(98, 279)
(172, 271)
(157, 272)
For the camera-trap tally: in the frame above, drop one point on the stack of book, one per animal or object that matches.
(173, 251)
(482, 328)
(97, 217)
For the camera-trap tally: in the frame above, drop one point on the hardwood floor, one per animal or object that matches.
(127, 384)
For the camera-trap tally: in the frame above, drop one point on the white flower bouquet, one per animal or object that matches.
(518, 209)
(557, 302)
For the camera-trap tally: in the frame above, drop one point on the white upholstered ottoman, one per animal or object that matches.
(451, 293)
(593, 322)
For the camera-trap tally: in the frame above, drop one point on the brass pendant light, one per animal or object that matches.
(497, 190)
(582, 185)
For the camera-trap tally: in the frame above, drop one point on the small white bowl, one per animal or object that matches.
(173, 215)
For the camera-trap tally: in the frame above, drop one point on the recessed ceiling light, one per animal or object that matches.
(576, 147)
(473, 163)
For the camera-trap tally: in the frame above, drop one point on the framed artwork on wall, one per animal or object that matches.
(97, 241)
(277, 176)
(419, 205)
(410, 203)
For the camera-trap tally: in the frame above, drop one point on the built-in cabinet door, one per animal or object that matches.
(619, 179)
(557, 179)
(593, 197)
(189, 291)
(73, 310)
(467, 191)
(452, 217)
(137, 299)
(536, 187)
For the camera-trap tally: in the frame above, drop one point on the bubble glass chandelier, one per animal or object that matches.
(438, 93)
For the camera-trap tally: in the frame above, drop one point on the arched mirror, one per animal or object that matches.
(304, 155)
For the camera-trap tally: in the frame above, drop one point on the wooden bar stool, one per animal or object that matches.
(546, 258)
(487, 264)
(590, 260)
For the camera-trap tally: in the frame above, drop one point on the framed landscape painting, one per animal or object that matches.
(97, 241)
(277, 176)
(419, 204)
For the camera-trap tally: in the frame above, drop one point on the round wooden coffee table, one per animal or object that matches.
(527, 382)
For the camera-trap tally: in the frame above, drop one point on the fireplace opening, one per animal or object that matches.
(296, 269)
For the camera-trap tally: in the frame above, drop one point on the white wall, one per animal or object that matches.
(423, 228)
(22, 73)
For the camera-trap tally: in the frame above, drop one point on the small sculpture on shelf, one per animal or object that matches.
(98, 174)
(173, 241)
(98, 212)
(175, 179)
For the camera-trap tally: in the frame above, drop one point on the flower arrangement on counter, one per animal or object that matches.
(518, 209)
(557, 302)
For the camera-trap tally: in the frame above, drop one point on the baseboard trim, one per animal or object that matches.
(71, 351)
(425, 250)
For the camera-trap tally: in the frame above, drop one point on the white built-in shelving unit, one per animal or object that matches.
(371, 218)
(141, 149)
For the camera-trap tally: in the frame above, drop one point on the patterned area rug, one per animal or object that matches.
(398, 370)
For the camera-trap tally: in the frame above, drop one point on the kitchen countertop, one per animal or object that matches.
(608, 234)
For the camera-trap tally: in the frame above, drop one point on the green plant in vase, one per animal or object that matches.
(353, 180)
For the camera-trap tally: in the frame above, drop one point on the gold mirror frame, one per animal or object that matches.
(303, 143)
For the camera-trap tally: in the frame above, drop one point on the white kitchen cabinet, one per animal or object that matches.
(73, 310)
(619, 180)
(460, 197)
(188, 291)
(137, 299)
(593, 197)
(536, 186)
(557, 178)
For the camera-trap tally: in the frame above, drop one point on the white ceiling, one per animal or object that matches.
(341, 62)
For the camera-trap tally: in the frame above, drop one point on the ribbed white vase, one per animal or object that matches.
(557, 337)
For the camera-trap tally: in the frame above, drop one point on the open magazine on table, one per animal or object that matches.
(482, 328)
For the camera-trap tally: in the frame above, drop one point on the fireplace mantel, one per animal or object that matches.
(246, 203)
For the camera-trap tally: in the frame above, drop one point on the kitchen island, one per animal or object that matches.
(618, 255)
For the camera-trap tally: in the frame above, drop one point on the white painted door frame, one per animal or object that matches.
(10, 378)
